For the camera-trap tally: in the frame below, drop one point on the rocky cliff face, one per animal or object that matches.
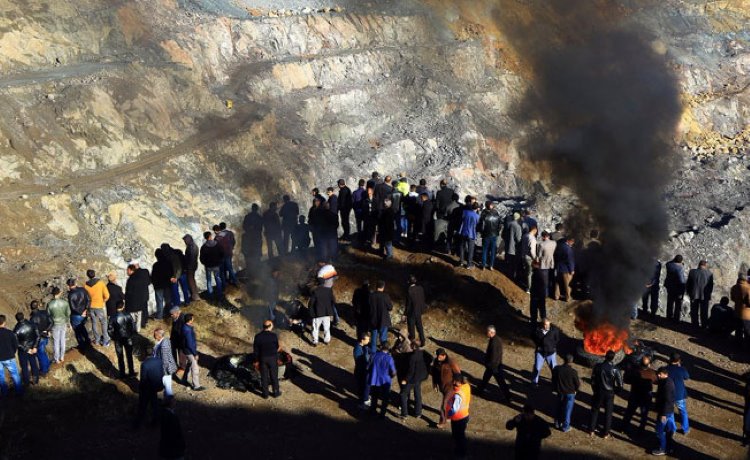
(129, 123)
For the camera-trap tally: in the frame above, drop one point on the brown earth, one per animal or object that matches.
(80, 410)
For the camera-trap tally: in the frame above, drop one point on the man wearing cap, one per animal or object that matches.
(266, 351)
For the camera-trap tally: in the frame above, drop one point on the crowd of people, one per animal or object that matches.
(547, 264)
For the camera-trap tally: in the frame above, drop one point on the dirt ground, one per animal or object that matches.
(80, 410)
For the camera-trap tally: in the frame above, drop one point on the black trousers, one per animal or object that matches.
(674, 305)
(699, 312)
(126, 346)
(634, 403)
(458, 432)
(499, 375)
(606, 399)
(269, 367)
(405, 391)
(380, 393)
(415, 322)
(345, 225)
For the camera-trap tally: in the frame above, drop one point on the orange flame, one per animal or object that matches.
(599, 339)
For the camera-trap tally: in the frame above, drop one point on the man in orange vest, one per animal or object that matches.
(457, 410)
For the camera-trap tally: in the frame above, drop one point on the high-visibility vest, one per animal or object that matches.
(465, 393)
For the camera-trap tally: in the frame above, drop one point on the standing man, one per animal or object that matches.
(426, 225)
(530, 431)
(252, 241)
(191, 265)
(176, 337)
(358, 205)
(122, 330)
(468, 233)
(289, 214)
(116, 294)
(565, 268)
(566, 384)
(652, 291)
(545, 253)
(444, 369)
(266, 350)
(642, 381)
(362, 359)
(80, 302)
(740, 295)
(386, 230)
(665, 402)
(322, 306)
(528, 254)
(383, 190)
(489, 224)
(678, 374)
(675, 282)
(272, 230)
(163, 351)
(493, 364)
(361, 305)
(190, 351)
(382, 371)
(416, 373)
(43, 323)
(512, 236)
(457, 410)
(415, 306)
(8, 348)
(605, 379)
(99, 295)
(27, 336)
(345, 208)
(546, 338)
(443, 200)
(211, 256)
(700, 286)
(136, 295)
(59, 313)
(380, 315)
(332, 200)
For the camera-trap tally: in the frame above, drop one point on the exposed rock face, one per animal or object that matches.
(117, 135)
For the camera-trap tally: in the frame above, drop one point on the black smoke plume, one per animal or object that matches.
(600, 113)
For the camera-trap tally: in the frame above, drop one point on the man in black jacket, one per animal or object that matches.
(191, 265)
(272, 230)
(149, 385)
(79, 301)
(28, 341)
(415, 306)
(361, 305)
(380, 316)
(266, 350)
(43, 323)
(700, 286)
(665, 401)
(545, 338)
(416, 373)
(641, 379)
(605, 379)
(252, 238)
(289, 214)
(121, 329)
(674, 282)
(116, 294)
(345, 208)
(566, 384)
(493, 364)
(322, 304)
(8, 349)
(176, 337)
(530, 431)
(211, 256)
(426, 223)
(136, 295)
(489, 226)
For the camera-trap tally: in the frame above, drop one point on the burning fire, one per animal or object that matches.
(599, 339)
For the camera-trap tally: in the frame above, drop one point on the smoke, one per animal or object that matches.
(600, 113)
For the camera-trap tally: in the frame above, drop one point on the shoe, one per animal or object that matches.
(565, 430)
(658, 452)
(368, 403)
(265, 396)
(132, 374)
(326, 343)
(607, 436)
(685, 433)
(106, 345)
(199, 388)
(121, 376)
(403, 417)
(315, 344)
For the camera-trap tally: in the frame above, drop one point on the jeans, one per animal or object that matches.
(606, 399)
(126, 346)
(79, 329)
(489, 246)
(405, 390)
(565, 404)
(664, 432)
(681, 404)
(13, 370)
(387, 248)
(58, 341)
(539, 361)
(227, 270)
(378, 336)
(499, 375)
(213, 271)
(26, 360)
(41, 355)
(99, 325)
(174, 294)
(160, 295)
(185, 287)
(325, 321)
(466, 251)
(458, 433)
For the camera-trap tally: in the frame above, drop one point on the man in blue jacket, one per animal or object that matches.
(190, 349)
(382, 371)
(678, 374)
(468, 233)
